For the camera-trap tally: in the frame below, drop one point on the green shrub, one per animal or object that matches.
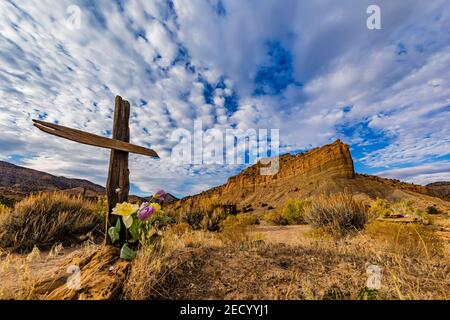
(340, 213)
(294, 210)
(432, 210)
(102, 206)
(380, 208)
(404, 207)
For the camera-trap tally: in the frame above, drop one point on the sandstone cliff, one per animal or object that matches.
(325, 169)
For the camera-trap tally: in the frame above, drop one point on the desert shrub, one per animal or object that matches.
(4, 210)
(422, 216)
(340, 213)
(247, 208)
(247, 219)
(413, 240)
(432, 210)
(276, 218)
(380, 208)
(404, 207)
(180, 228)
(7, 202)
(233, 228)
(101, 207)
(213, 218)
(47, 218)
(193, 218)
(242, 220)
(294, 210)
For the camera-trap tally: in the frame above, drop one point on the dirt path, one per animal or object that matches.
(290, 235)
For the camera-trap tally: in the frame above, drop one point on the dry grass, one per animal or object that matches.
(413, 240)
(22, 273)
(338, 213)
(44, 219)
(4, 210)
(203, 265)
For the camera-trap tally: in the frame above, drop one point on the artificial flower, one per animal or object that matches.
(159, 195)
(127, 221)
(156, 206)
(145, 211)
(125, 209)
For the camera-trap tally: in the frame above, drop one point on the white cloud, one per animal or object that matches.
(46, 68)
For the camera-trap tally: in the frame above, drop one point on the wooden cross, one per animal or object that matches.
(118, 184)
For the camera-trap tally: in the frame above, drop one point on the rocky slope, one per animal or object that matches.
(326, 169)
(16, 182)
(441, 189)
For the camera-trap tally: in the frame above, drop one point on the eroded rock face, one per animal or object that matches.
(329, 161)
(333, 160)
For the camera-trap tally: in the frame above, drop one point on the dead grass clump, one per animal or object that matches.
(340, 213)
(47, 218)
(156, 262)
(4, 210)
(276, 218)
(234, 228)
(413, 240)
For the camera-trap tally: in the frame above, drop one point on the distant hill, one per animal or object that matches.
(441, 189)
(16, 182)
(327, 169)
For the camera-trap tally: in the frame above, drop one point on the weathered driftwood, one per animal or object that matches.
(91, 139)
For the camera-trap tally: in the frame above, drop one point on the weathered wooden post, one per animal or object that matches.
(118, 183)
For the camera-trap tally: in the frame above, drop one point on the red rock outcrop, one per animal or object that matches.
(329, 161)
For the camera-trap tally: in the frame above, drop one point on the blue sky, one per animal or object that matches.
(309, 68)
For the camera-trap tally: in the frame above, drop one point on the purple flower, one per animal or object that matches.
(143, 205)
(145, 212)
(159, 195)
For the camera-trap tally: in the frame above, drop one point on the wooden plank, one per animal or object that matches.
(92, 139)
(118, 175)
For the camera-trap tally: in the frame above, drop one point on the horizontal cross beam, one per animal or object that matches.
(92, 139)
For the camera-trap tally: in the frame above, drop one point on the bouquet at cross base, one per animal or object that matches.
(138, 221)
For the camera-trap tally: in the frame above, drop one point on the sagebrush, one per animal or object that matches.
(338, 213)
(47, 218)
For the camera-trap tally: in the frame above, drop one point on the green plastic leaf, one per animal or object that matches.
(114, 232)
(135, 229)
(127, 221)
(127, 253)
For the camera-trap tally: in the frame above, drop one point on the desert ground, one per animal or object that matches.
(244, 261)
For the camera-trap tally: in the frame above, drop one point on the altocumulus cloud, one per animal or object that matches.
(311, 69)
